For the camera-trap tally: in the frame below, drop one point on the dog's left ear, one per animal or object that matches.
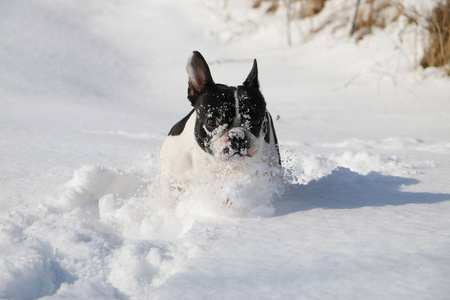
(252, 78)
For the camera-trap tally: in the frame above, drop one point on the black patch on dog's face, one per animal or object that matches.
(220, 108)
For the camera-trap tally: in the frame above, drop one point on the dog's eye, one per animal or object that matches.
(212, 122)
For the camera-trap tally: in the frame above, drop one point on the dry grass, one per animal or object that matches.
(273, 5)
(371, 14)
(437, 52)
(310, 8)
(375, 14)
(300, 8)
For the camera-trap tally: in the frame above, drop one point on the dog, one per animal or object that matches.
(228, 126)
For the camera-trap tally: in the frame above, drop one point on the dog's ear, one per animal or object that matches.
(252, 78)
(198, 74)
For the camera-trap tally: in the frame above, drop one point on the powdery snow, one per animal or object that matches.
(88, 93)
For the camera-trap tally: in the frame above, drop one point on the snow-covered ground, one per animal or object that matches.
(88, 92)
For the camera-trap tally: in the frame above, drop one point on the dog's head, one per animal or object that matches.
(230, 121)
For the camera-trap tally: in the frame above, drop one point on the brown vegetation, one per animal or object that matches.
(437, 52)
(301, 8)
(374, 14)
(369, 14)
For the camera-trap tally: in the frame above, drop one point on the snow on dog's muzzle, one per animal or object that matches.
(238, 142)
(235, 142)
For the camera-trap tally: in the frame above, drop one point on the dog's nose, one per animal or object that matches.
(238, 142)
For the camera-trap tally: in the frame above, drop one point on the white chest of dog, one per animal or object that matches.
(229, 130)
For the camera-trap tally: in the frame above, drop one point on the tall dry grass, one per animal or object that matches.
(374, 14)
(366, 15)
(437, 51)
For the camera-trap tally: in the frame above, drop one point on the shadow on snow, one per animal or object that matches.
(344, 189)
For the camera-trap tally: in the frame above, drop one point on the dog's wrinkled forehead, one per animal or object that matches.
(228, 103)
(216, 101)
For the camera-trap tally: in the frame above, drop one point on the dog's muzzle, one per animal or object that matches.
(238, 142)
(235, 142)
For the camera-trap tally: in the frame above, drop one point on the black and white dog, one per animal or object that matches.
(228, 126)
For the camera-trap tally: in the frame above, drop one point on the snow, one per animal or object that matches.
(88, 93)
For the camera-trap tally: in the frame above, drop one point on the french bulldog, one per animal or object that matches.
(228, 126)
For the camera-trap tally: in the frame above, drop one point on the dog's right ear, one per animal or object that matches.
(198, 74)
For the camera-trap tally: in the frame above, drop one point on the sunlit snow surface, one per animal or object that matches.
(88, 92)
